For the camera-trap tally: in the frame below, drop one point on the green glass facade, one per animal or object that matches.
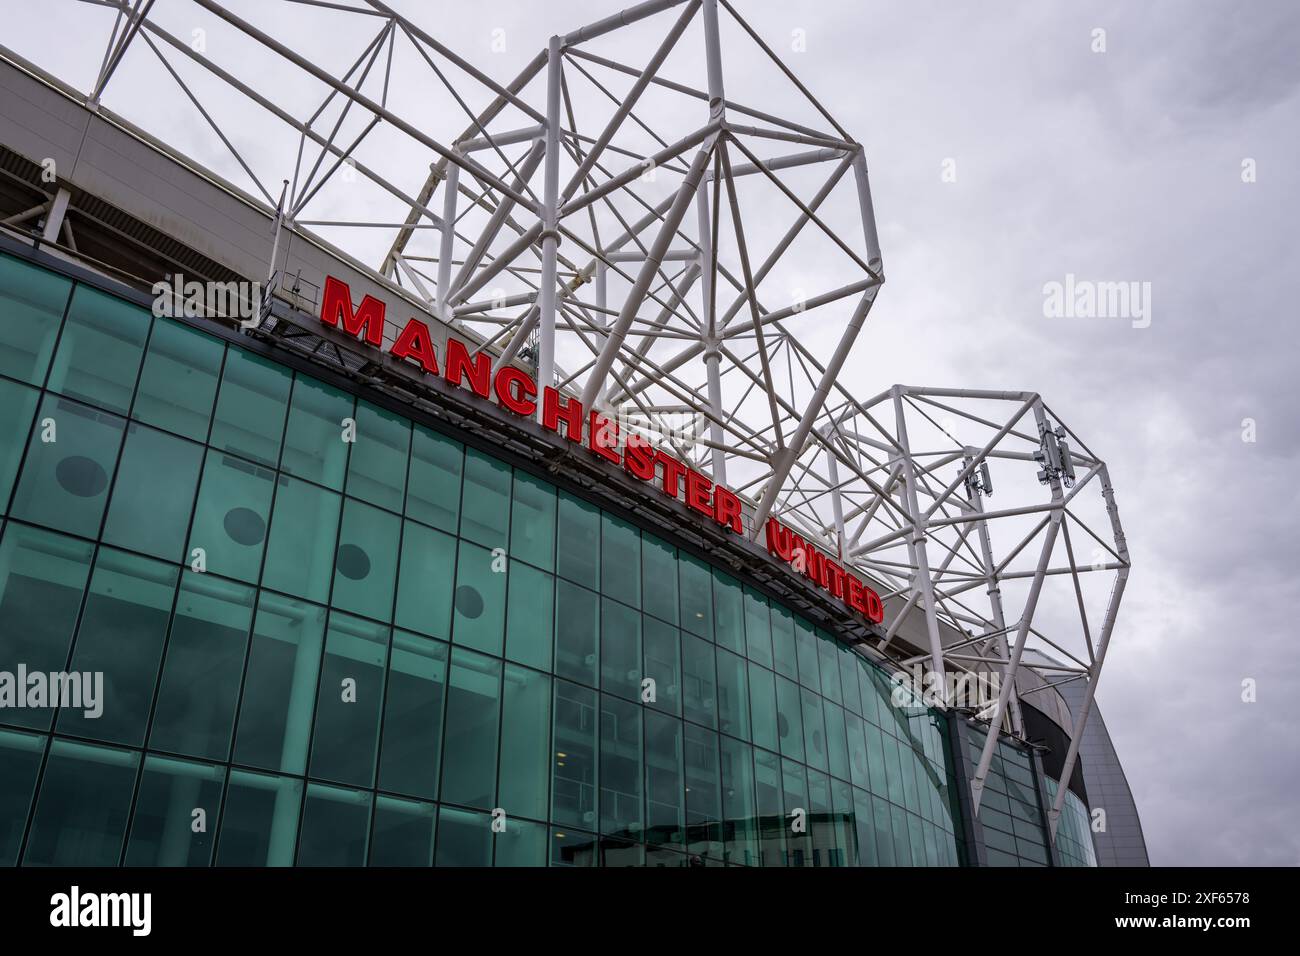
(1012, 819)
(1074, 844)
(330, 635)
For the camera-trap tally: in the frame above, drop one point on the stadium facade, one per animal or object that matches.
(327, 574)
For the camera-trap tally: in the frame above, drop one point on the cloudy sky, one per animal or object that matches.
(1167, 158)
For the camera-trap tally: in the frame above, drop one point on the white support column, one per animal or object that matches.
(1094, 672)
(916, 544)
(550, 223)
(837, 500)
(1022, 633)
(995, 600)
(450, 185)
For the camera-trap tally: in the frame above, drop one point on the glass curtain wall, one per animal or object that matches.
(328, 635)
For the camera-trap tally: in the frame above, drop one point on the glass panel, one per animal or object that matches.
(728, 613)
(251, 407)
(894, 771)
(32, 301)
(762, 707)
(845, 852)
(464, 838)
(195, 711)
(345, 741)
(411, 749)
(178, 385)
(814, 731)
(275, 713)
(532, 529)
(522, 844)
(876, 758)
(154, 493)
(576, 630)
(703, 797)
(573, 848)
(789, 724)
(620, 768)
(403, 832)
(335, 824)
(733, 695)
(300, 552)
(874, 708)
(821, 822)
(660, 578)
(662, 653)
(259, 825)
(837, 742)
(469, 762)
(699, 684)
(573, 789)
(525, 743)
(902, 841)
(828, 655)
(659, 857)
(366, 565)
(82, 808)
(848, 661)
(176, 813)
(738, 808)
(530, 616)
(697, 595)
(620, 575)
(121, 636)
(42, 578)
(665, 787)
(71, 458)
(809, 670)
(884, 833)
(20, 761)
(377, 463)
(771, 815)
(577, 553)
(858, 765)
(865, 829)
(433, 488)
(231, 516)
(15, 425)
(99, 352)
(795, 791)
(314, 445)
(758, 630)
(619, 852)
(620, 650)
(783, 651)
(480, 602)
(428, 569)
(485, 500)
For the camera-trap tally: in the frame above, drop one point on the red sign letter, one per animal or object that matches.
(336, 308)
(414, 342)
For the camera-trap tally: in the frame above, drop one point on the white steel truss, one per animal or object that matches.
(663, 248)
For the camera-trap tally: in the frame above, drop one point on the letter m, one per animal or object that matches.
(336, 309)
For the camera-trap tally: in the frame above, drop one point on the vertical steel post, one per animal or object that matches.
(1022, 633)
(917, 543)
(550, 223)
(450, 184)
(1094, 672)
(995, 600)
